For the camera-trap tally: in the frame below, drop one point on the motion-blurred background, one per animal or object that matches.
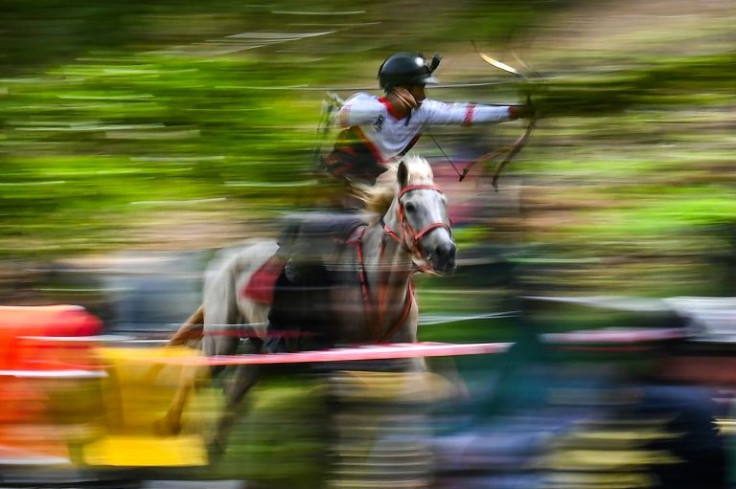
(138, 137)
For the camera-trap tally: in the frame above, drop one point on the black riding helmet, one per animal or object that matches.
(407, 69)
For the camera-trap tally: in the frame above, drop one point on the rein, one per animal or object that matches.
(377, 312)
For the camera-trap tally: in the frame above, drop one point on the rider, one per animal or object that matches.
(375, 132)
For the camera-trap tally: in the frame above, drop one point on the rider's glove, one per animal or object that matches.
(525, 111)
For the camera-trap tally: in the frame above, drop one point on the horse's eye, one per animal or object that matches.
(409, 207)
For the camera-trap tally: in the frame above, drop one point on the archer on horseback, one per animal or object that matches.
(368, 296)
(376, 131)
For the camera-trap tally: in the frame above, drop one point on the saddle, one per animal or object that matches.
(316, 233)
(303, 244)
(297, 280)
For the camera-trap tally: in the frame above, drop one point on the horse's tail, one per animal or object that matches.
(192, 329)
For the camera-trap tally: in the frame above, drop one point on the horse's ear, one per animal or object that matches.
(402, 175)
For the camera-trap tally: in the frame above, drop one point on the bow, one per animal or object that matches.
(330, 105)
(512, 150)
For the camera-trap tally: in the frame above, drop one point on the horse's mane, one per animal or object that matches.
(377, 198)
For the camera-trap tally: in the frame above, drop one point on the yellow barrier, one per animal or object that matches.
(137, 394)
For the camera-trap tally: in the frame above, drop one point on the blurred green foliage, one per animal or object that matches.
(282, 438)
(109, 113)
(114, 114)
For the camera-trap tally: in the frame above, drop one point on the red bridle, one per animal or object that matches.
(406, 229)
(377, 311)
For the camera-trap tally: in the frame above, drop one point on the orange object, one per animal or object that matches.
(38, 345)
(32, 337)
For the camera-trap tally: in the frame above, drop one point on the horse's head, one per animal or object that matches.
(418, 217)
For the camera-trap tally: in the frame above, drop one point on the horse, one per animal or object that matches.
(370, 298)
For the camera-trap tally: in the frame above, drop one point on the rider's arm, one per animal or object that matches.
(466, 113)
(360, 109)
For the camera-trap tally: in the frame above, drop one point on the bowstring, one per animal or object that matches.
(461, 175)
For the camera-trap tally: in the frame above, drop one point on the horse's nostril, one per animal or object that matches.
(445, 256)
(446, 250)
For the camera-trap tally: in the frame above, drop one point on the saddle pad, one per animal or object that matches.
(260, 287)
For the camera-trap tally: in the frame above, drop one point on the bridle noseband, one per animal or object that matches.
(406, 229)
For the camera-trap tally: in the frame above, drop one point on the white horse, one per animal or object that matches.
(371, 299)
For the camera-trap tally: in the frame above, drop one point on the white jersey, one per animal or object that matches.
(376, 123)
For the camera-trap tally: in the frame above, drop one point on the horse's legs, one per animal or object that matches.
(171, 422)
(223, 344)
(192, 329)
(220, 345)
(243, 378)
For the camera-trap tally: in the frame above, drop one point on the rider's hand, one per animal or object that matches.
(525, 111)
(402, 100)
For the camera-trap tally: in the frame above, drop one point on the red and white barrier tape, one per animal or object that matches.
(372, 352)
(615, 335)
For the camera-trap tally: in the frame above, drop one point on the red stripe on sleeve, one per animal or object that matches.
(469, 111)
